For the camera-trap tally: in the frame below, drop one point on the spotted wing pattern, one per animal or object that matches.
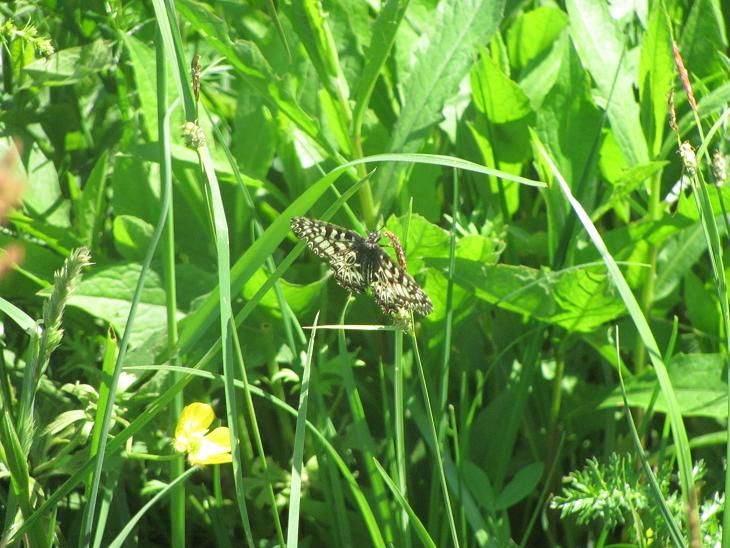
(359, 263)
(395, 290)
(336, 244)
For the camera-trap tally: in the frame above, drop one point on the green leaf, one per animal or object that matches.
(132, 236)
(143, 63)
(456, 28)
(522, 485)
(135, 192)
(656, 76)
(254, 138)
(677, 257)
(106, 294)
(298, 297)
(571, 144)
(703, 309)
(70, 66)
(495, 95)
(601, 47)
(43, 199)
(699, 381)
(703, 37)
(578, 300)
(533, 33)
(477, 481)
(25, 322)
(88, 209)
(381, 42)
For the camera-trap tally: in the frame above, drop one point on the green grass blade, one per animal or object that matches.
(120, 539)
(292, 537)
(398, 417)
(435, 440)
(418, 527)
(25, 322)
(675, 414)
(227, 325)
(669, 520)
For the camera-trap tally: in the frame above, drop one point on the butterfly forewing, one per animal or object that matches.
(336, 244)
(359, 263)
(325, 239)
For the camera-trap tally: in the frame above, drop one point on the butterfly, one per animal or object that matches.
(360, 263)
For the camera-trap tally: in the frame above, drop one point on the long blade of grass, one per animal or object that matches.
(436, 444)
(132, 523)
(400, 443)
(674, 532)
(25, 322)
(292, 536)
(177, 465)
(87, 520)
(226, 322)
(418, 527)
(675, 414)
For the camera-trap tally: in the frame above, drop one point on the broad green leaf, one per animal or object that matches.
(521, 486)
(703, 309)
(107, 292)
(458, 26)
(477, 481)
(88, 209)
(143, 63)
(578, 300)
(135, 191)
(132, 236)
(34, 273)
(656, 76)
(626, 182)
(42, 197)
(699, 381)
(704, 36)
(677, 257)
(601, 47)
(312, 27)
(70, 66)
(381, 42)
(254, 138)
(573, 145)
(495, 95)
(533, 33)
(298, 297)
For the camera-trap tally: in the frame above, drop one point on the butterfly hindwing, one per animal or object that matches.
(395, 290)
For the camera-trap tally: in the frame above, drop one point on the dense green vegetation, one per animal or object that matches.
(568, 388)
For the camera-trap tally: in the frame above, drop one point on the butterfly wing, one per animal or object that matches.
(336, 244)
(395, 290)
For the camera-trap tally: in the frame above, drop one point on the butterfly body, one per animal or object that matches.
(359, 263)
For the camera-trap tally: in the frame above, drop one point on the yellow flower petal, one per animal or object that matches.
(221, 436)
(214, 448)
(193, 424)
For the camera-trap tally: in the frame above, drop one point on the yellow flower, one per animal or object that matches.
(192, 437)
